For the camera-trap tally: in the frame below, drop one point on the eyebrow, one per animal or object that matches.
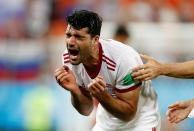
(76, 35)
(79, 36)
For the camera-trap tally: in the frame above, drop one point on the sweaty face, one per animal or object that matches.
(79, 44)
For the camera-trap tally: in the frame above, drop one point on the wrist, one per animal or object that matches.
(163, 69)
(75, 90)
(102, 97)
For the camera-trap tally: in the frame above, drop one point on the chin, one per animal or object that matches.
(75, 62)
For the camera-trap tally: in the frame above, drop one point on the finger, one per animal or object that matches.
(148, 78)
(93, 90)
(176, 104)
(58, 73)
(173, 119)
(91, 86)
(142, 77)
(59, 69)
(140, 73)
(136, 74)
(170, 113)
(169, 118)
(100, 77)
(178, 120)
(99, 84)
(63, 78)
(145, 57)
(174, 116)
(60, 76)
(66, 68)
(139, 68)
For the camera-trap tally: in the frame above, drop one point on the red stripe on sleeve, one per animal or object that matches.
(67, 61)
(110, 68)
(67, 57)
(109, 59)
(108, 63)
(65, 54)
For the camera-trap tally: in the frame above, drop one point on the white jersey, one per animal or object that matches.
(115, 65)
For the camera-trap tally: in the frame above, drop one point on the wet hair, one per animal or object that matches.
(84, 18)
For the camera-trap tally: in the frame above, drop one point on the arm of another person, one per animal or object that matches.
(123, 107)
(154, 68)
(83, 103)
(180, 110)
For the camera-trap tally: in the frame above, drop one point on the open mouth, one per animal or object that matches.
(73, 52)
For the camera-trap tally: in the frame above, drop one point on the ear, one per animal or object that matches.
(96, 38)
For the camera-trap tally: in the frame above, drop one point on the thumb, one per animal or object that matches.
(65, 67)
(173, 105)
(145, 57)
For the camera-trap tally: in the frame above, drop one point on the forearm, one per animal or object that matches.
(117, 107)
(179, 70)
(83, 104)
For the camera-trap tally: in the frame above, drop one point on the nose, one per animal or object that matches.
(71, 41)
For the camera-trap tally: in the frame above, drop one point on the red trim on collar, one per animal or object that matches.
(94, 75)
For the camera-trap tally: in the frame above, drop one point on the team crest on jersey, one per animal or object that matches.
(128, 80)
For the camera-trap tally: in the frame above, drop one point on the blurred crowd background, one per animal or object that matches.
(32, 43)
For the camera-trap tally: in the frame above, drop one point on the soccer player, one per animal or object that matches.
(179, 110)
(121, 34)
(101, 69)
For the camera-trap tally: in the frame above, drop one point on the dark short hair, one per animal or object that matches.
(122, 30)
(83, 18)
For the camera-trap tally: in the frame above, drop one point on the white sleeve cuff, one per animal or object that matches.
(191, 115)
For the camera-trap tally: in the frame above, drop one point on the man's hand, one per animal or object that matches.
(97, 87)
(179, 111)
(65, 78)
(147, 71)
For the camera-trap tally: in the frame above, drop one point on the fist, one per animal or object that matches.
(65, 78)
(97, 87)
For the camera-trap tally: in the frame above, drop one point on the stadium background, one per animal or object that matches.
(32, 41)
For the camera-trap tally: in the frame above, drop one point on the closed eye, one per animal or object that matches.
(68, 35)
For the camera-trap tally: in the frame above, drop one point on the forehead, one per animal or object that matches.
(72, 30)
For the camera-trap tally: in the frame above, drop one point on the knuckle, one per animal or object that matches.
(61, 80)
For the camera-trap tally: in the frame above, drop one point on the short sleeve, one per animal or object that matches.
(124, 81)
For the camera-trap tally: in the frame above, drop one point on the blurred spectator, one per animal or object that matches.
(140, 10)
(12, 16)
(169, 11)
(186, 10)
(60, 9)
(37, 17)
(121, 34)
